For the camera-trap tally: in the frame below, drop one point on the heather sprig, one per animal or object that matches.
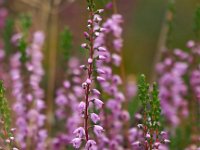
(7, 139)
(67, 99)
(153, 137)
(29, 105)
(4, 108)
(91, 98)
(110, 42)
(155, 111)
(143, 88)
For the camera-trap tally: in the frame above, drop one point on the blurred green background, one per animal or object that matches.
(143, 20)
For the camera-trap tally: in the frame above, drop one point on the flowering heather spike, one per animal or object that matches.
(70, 112)
(28, 95)
(173, 89)
(93, 24)
(110, 85)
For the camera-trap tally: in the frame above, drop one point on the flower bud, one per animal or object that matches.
(94, 117)
(90, 60)
(95, 92)
(100, 79)
(84, 45)
(98, 103)
(99, 11)
(98, 130)
(84, 67)
(79, 132)
(101, 49)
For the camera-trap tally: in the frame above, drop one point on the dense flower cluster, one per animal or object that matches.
(111, 40)
(93, 106)
(26, 78)
(174, 89)
(67, 104)
(91, 94)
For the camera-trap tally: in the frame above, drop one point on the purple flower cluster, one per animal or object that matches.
(111, 40)
(91, 94)
(67, 100)
(173, 89)
(29, 95)
(174, 71)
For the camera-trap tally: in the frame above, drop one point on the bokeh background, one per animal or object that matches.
(143, 21)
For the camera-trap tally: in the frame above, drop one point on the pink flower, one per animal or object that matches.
(81, 108)
(79, 132)
(61, 100)
(116, 59)
(90, 60)
(100, 79)
(98, 103)
(90, 145)
(94, 117)
(137, 143)
(95, 92)
(76, 142)
(98, 130)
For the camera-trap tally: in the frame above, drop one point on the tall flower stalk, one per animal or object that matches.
(91, 95)
(67, 99)
(26, 74)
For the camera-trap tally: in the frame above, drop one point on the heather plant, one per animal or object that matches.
(91, 95)
(26, 74)
(67, 101)
(178, 73)
(7, 139)
(94, 105)
(152, 135)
